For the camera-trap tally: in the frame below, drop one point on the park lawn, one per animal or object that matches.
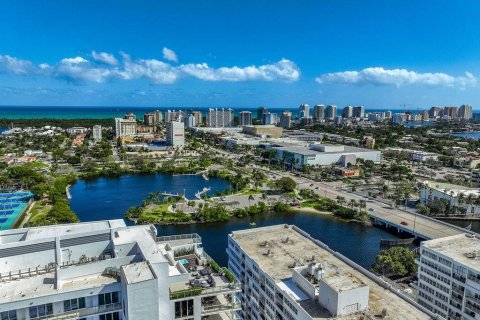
(250, 192)
(160, 214)
(39, 210)
(309, 203)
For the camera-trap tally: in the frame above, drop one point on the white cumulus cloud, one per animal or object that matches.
(379, 76)
(103, 66)
(283, 70)
(104, 57)
(169, 54)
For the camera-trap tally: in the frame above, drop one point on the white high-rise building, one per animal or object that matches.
(304, 111)
(107, 271)
(358, 112)
(286, 119)
(220, 118)
(331, 112)
(465, 112)
(286, 274)
(97, 132)
(319, 112)
(176, 133)
(449, 276)
(125, 127)
(347, 112)
(173, 115)
(269, 118)
(245, 118)
(190, 121)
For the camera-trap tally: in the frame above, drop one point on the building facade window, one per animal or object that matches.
(8, 315)
(107, 298)
(73, 304)
(183, 308)
(40, 310)
(110, 316)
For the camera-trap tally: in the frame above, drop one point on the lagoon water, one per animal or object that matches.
(468, 135)
(109, 198)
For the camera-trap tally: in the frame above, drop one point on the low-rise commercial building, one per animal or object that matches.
(286, 274)
(449, 276)
(297, 155)
(270, 131)
(107, 271)
(456, 196)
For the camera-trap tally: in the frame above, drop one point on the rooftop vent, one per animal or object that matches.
(286, 240)
(264, 244)
(471, 255)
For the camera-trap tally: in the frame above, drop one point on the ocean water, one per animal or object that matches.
(66, 112)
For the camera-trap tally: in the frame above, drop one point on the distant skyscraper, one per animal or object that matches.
(347, 112)
(97, 132)
(450, 112)
(190, 121)
(149, 119)
(172, 115)
(158, 117)
(359, 112)
(399, 118)
(465, 112)
(424, 116)
(198, 117)
(286, 119)
(331, 112)
(269, 118)
(434, 112)
(245, 118)
(319, 112)
(388, 114)
(304, 111)
(175, 134)
(220, 118)
(260, 112)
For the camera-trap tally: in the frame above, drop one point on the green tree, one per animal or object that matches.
(286, 184)
(395, 262)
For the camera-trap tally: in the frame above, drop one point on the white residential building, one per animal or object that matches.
(107, 271)
(319, 112)
(286, 274)
(76, 130)
(97, 132)
(175, 133)
(245, 118)
(125, 127)
(304, 111)
(449, 276)
(190, 121)
(331, 112)
(455, 196)
(219, 118)
(269, 118)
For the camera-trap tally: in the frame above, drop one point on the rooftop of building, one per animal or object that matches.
(277, 249)
(138, 272)
(307, 149)
(463, 248)
(452, 189)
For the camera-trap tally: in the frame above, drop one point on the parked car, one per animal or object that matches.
(404, 223)
(371, 209)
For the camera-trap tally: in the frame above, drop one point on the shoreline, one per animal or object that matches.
(311, 210)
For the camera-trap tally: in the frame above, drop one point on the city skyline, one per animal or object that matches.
(240, 55)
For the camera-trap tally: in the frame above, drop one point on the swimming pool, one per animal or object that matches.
(183, 261)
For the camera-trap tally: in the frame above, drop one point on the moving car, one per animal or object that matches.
(404, 223)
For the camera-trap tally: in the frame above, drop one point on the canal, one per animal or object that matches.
(109, 198)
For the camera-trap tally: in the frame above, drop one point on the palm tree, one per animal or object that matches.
(352, 203)
(341, 200)
(250, 198)
(362, 204)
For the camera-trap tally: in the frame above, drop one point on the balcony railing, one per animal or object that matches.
(84, 312)
(188, 238)
(473, 278)
(181, 294)
(221, 308)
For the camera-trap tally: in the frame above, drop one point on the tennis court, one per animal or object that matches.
(12, 206)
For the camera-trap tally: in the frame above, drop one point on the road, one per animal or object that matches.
(419, 225)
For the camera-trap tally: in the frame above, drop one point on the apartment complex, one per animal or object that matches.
(286, 274)
(245, 118)
(319, 112)
(304, 111)
(219, 118)
(97, 132)
(449, 276)
(107, 271)
(126, 126)
(285, 119)
(176, 133)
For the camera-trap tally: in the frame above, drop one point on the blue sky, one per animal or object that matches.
(240, 53)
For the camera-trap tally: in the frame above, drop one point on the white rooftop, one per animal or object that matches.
(462, 248)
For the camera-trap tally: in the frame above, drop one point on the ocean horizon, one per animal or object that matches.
(107, 112)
